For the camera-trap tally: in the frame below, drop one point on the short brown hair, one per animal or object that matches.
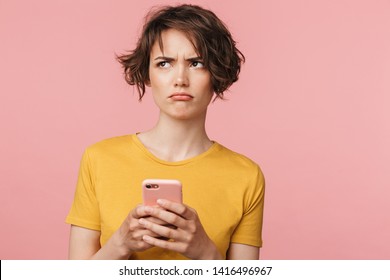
(209, 35)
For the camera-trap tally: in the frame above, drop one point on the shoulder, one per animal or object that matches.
(116, 144)
(245, 174)
(240, 163)
(237, 158)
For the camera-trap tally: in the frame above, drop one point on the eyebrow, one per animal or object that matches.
(195, 58)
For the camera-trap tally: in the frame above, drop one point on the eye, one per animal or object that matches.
(163, 64)
(197, 64)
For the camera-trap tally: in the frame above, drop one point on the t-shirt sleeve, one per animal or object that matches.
(249, 230)
(85, 209)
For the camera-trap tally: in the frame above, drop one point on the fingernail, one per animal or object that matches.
(146, 238)
(161, 201)
(141, 221)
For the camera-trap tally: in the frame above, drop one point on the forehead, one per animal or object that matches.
(173, 41)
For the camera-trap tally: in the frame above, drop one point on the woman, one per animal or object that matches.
(185, 54)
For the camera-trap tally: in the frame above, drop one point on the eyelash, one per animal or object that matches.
(198, 62)
(160, 64)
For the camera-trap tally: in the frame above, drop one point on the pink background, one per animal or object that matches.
(311, 107)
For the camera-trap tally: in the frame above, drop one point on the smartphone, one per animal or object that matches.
(153, 189)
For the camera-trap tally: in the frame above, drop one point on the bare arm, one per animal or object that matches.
(85, 244)
(242, 252)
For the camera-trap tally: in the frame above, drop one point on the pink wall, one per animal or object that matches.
(311, 107)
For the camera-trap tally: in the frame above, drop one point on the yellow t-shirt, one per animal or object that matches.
(225, 188)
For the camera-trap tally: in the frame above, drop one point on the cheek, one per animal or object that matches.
(202, 81)
(207, 82)
(208, 87)
(158, 82)
(157, 98)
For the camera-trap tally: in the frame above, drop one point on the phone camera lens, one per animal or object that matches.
(148, 186)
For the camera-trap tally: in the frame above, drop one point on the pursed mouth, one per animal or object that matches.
(181, 95)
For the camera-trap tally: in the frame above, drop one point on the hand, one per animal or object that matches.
(188, 238)
(130, 233)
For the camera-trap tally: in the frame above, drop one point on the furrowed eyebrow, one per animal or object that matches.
(191, 59)
(196, 58)
(164, 58)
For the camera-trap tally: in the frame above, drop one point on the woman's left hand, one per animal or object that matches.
(187, 238)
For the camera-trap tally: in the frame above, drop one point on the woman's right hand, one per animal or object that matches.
(129, 236)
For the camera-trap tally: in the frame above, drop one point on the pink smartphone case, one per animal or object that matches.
(162, 189)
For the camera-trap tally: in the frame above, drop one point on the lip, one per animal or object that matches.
(181, 96)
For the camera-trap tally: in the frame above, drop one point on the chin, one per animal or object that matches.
(183, 115)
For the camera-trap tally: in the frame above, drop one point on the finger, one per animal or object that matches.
(159, 229)
(156, 221)
(140, 245)
(182, 210)
(137, 235)
(169, 245)
(139, 212)
(169, 217)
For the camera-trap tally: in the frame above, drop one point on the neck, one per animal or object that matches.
(175, 140)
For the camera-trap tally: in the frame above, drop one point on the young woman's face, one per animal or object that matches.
(180, 83)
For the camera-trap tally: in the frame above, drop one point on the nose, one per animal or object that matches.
(181, 78)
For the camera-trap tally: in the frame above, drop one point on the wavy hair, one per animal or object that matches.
(209, 35)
